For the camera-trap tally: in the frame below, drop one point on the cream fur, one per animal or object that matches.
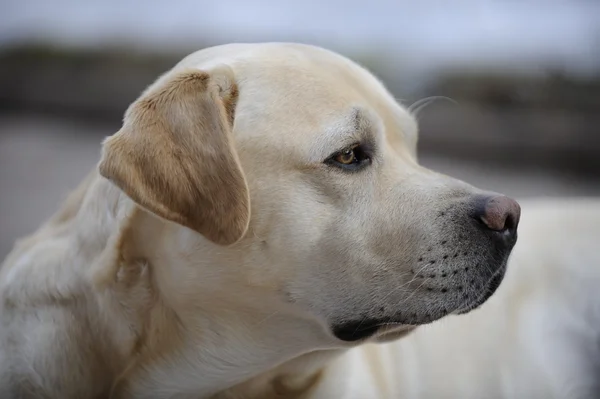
(214, 252)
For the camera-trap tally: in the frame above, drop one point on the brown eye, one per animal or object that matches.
(346, 157)
(351, 158)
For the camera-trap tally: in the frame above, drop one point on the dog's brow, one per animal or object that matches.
(361, 123)
(355, 126)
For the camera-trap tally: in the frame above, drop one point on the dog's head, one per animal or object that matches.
(297, 172)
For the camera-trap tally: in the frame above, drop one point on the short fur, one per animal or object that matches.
(217, 253)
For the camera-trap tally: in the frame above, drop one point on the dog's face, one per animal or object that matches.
(300, 171)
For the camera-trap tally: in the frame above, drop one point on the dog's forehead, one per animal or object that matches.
(289, 75)
(305, 90)
(254, 61)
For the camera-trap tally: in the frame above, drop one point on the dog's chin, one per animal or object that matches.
(491, 287)
(388, 334)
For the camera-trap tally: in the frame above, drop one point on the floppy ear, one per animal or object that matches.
(174, 155)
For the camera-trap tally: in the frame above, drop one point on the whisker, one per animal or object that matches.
(415, 276)
(421, 104)
(415, 291)
(266, 318)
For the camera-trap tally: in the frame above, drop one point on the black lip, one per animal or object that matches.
(357, 330)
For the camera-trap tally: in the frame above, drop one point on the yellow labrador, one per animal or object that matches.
(260, 219)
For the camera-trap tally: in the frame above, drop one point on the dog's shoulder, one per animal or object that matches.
(44, 250)
(50, 319)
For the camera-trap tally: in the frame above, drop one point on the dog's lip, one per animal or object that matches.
(361, 330)
(352, 331)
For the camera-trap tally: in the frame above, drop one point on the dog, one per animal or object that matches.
(260, 227)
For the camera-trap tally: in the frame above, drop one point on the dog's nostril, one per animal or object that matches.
(499, 213)
(511, 222)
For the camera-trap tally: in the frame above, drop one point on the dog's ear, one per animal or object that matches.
(175, 157)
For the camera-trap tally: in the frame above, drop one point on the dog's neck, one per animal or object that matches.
(178, 332)
(298, 378)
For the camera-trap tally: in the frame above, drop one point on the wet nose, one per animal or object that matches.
(499, 213)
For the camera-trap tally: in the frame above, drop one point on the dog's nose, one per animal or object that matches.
(500, 213)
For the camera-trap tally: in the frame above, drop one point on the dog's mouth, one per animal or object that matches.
(359, 330)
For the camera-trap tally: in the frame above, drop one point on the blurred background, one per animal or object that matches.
(525, 76)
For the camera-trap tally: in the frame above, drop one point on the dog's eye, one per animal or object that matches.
(346, 157)
(351, 158)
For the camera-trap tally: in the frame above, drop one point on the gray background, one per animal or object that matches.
(526, 75)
